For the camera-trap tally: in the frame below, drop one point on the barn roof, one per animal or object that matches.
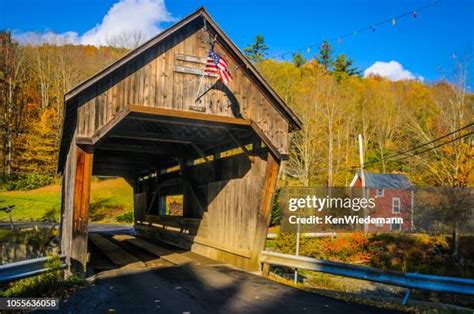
(294, 123)
(386, 180)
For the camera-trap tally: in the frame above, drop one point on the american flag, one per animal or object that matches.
(217, 65)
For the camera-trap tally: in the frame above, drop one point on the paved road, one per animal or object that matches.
(198, 289)
(26, 224)
(106, 228)
(110, 228)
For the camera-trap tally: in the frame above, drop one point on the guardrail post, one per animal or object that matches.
(265, 270)
(406, 297)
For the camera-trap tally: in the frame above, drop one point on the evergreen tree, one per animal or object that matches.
(257, 51)
(343, 67)
(325, 57)
(298, 59)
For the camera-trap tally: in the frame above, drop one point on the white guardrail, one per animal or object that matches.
(407, 280)
(28, 268)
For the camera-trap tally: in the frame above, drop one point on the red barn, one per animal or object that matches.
(394, 197)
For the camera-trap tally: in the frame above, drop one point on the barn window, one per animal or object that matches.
(396, 227)
(396, 205)
(380, 192)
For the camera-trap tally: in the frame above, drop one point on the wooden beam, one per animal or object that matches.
(82, 186)
(158, 137)
(115, 173)
(195, 71)
(171, 182)
(160, 151)
(200, 152)
(245, 150)
(84, 140)
(99, 135)
(273, 149)
(189, 58)
(187, 115)
(122, 167)
(124, 164)
(105, 155)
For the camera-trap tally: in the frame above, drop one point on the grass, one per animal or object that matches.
(109, 198)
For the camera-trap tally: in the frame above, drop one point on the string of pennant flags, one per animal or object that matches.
(216, 64)
(369, 28)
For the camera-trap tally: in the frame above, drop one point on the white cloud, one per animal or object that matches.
(127, 23)
(392, 70)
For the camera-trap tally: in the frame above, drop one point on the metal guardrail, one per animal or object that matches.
(32, 267)
(407, 280)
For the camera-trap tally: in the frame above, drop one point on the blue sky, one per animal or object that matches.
(422, 47)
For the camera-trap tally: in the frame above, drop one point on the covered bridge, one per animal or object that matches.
(157, 119)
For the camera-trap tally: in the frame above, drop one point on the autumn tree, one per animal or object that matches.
(13, 98)
(40, 145)
(126, 39)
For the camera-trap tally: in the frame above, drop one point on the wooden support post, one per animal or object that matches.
(264, 213)
(192, 204)
(82, 186)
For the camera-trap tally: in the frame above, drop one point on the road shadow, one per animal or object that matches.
(217, 289)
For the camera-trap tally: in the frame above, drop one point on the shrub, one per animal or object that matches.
(125, 218)
(410, 253)
(28, 182)
(426, 254)
(276, 210)
(286, 243)
(51, 215)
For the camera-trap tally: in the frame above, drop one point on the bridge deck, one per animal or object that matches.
(174, 281)
(199, 289)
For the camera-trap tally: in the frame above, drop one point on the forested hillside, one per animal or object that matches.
(334, 102)
(33, 80)
(393, 117)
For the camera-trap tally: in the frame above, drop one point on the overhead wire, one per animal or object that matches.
(371, 27)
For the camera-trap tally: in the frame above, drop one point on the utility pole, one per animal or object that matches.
(362, 176)
(297, 253)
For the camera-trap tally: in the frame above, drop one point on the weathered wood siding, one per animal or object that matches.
(168, 76)
(67, 201)
(229, 210)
